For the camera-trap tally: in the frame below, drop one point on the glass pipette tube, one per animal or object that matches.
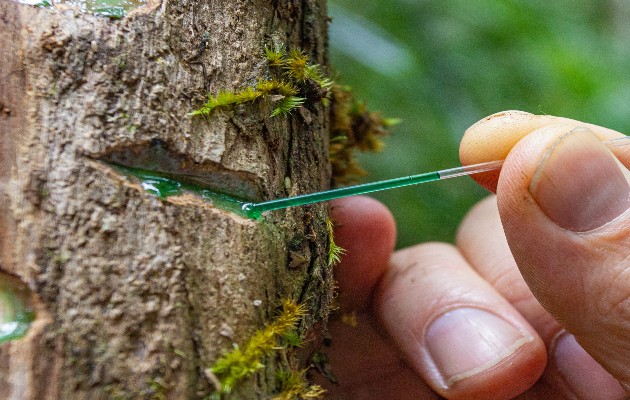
(255, 210)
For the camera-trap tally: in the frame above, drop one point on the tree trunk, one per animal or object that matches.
(135, 296)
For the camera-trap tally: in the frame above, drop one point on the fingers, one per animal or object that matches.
(571, 371)
(482, 242)
(454, 329)
(493, 137)
(366, 364)
(564, 199)
(365, 229)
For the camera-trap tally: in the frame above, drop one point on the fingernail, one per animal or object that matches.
(582, 374)
(578, 183)
(466, 341)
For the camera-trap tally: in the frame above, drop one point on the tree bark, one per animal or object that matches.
(134, 295)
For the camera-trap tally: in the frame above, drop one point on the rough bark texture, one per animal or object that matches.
(134, 295)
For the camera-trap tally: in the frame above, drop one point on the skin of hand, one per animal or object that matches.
(532, 301)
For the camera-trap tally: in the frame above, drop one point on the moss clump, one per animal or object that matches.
(297, 67)
(298, 80)
(285, 90)
(353, 127)
(295, 386)
(334, 252)
(244, 361)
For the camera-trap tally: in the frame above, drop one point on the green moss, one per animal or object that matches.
(292, 339)
(115, 393)
(297, 79)
(120, 62)
(334, 252)
(157, 389)
(295, 386)
(298, 68)
(265, 88)
(286, 105)
(244, 360)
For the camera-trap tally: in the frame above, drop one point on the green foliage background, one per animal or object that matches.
(442, 65)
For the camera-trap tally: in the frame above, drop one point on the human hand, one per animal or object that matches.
(460, 321)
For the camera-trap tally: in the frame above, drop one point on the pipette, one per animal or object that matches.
(255, 210)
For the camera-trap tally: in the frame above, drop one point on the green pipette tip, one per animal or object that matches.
(255, 210)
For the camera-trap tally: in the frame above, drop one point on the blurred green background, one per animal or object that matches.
(442, 65)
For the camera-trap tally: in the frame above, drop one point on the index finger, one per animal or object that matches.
(365, 229)
(493, 137)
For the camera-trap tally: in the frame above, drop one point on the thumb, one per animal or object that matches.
(564, 203)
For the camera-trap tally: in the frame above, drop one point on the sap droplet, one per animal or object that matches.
(16, 310)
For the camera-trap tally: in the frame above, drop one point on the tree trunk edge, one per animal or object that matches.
(34, 250)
